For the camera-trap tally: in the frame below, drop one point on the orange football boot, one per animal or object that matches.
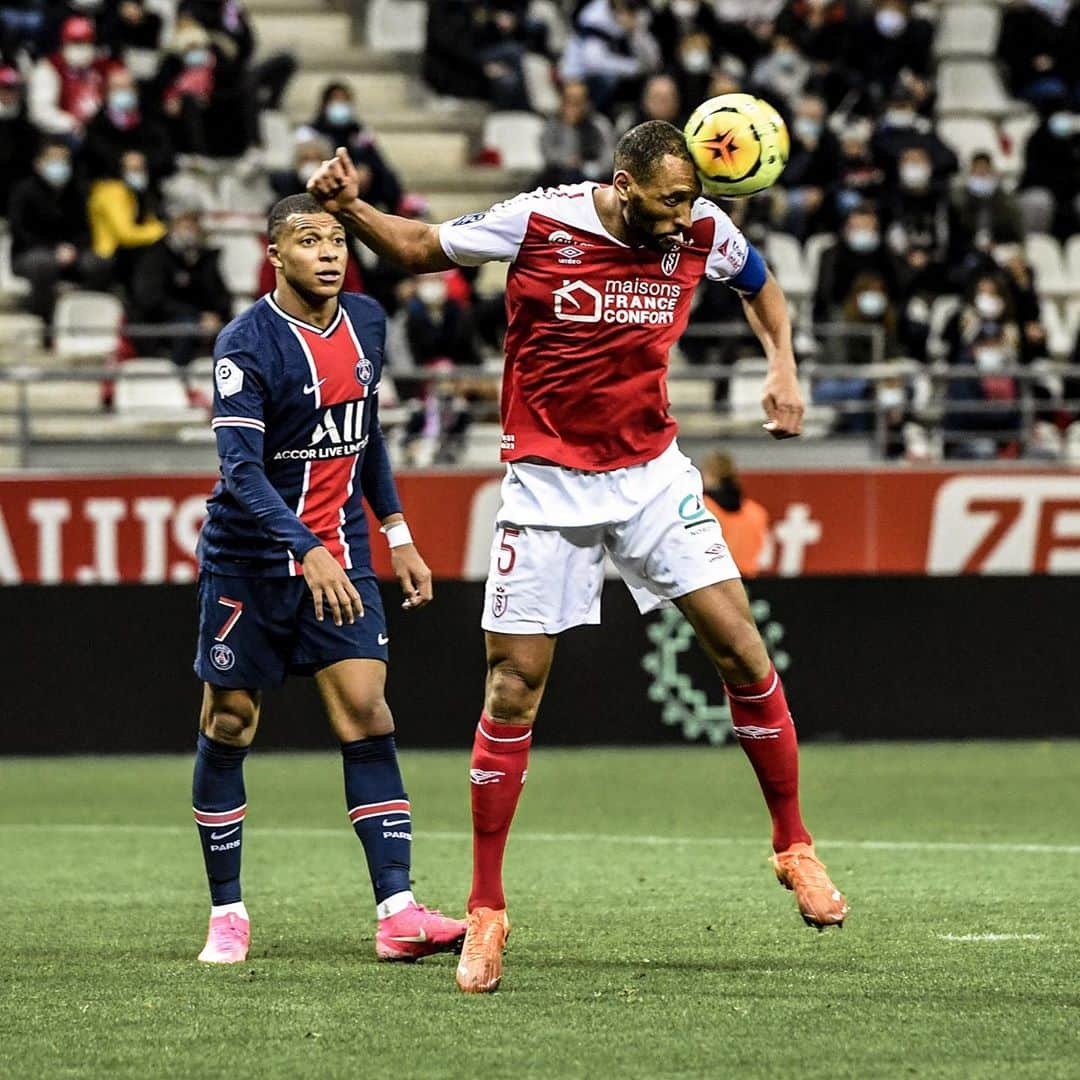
(480, 967)
(820, 902)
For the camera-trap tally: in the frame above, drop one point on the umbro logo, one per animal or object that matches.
(311, 389)
(751, 731)
(485, 776)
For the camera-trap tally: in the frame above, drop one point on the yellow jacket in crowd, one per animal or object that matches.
(113, 209)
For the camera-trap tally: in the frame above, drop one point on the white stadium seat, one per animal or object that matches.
(973, 86)
(1072, 262)
(967, 30)
(540, 84)
(744, 388)
(941, 311)
(815, 247)
(516, 136)
(397, 25)
(277, 139)
(150, 387)
(1044, 254)
(1061, 322)
(86, 324)
(242, 255)
(967, 135)
(785, 257)
(9, 284)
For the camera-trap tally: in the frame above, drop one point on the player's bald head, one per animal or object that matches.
(292, 211)
(643, 149)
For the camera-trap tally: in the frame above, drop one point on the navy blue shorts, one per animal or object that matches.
(254, 631)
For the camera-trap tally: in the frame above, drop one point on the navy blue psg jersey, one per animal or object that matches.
(298, 437)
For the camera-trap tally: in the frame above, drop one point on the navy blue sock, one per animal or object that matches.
(379, 810)
(219, 802)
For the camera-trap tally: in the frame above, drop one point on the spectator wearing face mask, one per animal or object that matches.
(18, 137)
(439, 420)
(901, 128)
(890, 46)
(338, 122)
(745, 523)
(819, 28)
(984, 334)
(1037, 46)
(692, 66)
(611, 50)
(782, 73)
(860, 250)
(438, 327)
(187, 98)
(177, 281)
(123, 211)
(1050, 184)
(916, 212)
(50, 232)
(681, 19)
(577, 144)
(67, 87)
(125, 25)
(811, 170)
(859, 179)
(121, 126)
(984, 214)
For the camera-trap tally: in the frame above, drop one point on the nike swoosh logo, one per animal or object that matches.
(403, 821)
(383, 639)
(312, 389)
(222, 835)
(419, 939)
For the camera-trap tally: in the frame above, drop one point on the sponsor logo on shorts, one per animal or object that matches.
(384, 639)
(221, 656)
(691, 508)
(716, 552)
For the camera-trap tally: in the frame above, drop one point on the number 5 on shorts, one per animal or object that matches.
(506, 549)
(237, 607)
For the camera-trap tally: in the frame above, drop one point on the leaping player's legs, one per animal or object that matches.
(721, 618)
(227, 726)
(353, 692)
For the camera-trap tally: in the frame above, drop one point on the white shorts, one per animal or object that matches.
(545, 579)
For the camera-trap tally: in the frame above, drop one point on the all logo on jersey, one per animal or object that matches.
(221, 656)
(670, 262)
(338, 433)
(626, 302)
(365, 371)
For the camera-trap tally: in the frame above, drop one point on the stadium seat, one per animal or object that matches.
(1015, 131)
(242, 255)
(491, 279)
(397, 25)
(784, 254)
(1060, 335)
(242, 195)
(20, 333)
(277, 138)
(692, 393)
(516, 136)
(9, 284)
(1044, 254)
(967, 135)
(539, 84)
(553, 17)
(814, 248)
(1072, 261)
(973, 86)
(744, 389)
(941, 311)
(86, 325)
(967, 30)
(150, 386)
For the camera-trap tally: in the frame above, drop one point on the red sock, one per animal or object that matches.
(763, 724)
(500, 759)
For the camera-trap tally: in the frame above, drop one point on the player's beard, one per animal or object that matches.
(642, 227)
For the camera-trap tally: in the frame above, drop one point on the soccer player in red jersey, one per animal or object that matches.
(599, 287)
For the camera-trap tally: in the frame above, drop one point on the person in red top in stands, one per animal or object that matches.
(67, 87)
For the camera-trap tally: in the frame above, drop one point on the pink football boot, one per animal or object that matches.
(415, 932)
(227, 941)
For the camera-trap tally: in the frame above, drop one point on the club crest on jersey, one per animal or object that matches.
(560, 236)
(499, 601)
(221, 656)
(365, 371)
(670, 262)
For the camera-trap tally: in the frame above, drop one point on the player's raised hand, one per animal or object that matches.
(336, 183)
(783, 404)
(413, 573)
(331, 588)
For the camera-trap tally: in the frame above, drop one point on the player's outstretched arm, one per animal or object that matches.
(767, 313)
(413, 245)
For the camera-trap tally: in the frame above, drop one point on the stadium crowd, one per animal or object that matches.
(106, 106)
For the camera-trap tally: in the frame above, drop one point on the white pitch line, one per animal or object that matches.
(990, 937)
(575, 837)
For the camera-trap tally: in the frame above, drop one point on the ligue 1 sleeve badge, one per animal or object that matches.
(365, 371)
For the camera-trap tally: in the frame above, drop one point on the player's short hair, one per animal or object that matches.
(281, 211)
(641, 150)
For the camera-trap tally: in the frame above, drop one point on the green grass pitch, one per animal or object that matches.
(650, 939)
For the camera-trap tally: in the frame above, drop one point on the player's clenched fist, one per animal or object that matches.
(413, 574)
(783, 405)
(331, 588)
(336, 183)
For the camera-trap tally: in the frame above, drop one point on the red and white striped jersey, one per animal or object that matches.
(591, 321)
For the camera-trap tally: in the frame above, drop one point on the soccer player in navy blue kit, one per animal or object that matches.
(285, 583)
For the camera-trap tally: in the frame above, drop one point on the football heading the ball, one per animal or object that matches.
(739, 143)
